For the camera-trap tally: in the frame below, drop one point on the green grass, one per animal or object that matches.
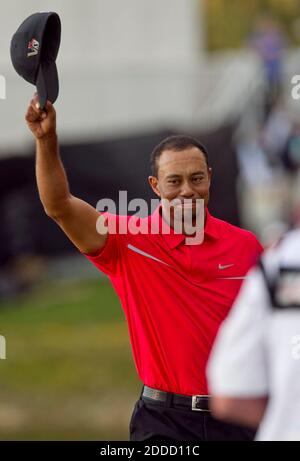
(69, 373)
(64, 302)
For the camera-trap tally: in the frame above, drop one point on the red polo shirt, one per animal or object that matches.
(175, 296)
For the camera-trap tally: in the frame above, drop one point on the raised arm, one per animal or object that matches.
(76, 218)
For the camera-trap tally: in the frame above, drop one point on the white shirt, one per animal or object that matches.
(257, 350)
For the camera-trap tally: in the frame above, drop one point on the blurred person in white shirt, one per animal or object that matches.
(254, 368)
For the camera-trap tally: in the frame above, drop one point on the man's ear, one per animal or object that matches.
(210, 174)
(153, 181)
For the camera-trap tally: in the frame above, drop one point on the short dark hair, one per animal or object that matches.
(177, 143)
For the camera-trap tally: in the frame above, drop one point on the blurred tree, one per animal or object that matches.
(229, 22)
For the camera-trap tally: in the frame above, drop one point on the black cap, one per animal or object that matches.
(33, 50)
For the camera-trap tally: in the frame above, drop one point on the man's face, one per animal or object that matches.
(182, 175)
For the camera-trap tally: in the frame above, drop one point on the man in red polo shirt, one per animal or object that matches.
(174, 294)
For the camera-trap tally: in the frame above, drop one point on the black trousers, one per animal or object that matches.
(161, 422)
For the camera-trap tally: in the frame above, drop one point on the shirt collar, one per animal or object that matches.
(211, 228)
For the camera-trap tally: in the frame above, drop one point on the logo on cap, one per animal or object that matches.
(33, 46)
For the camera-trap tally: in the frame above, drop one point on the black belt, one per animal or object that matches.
(194, 402)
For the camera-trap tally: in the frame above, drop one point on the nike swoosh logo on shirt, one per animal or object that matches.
(143, 253)
(221, 266)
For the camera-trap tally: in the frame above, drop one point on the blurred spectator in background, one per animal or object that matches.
(291, 161)
(268, 155)
(263, 188)
(268, 40)
(291, 154)
(275, 132)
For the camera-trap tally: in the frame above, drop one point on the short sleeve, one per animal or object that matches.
(109, 258)
(259, 247)
(237, 364)
(256, 250)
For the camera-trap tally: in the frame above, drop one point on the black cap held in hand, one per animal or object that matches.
(33, 50)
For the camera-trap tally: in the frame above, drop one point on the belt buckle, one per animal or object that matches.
(196, 403)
